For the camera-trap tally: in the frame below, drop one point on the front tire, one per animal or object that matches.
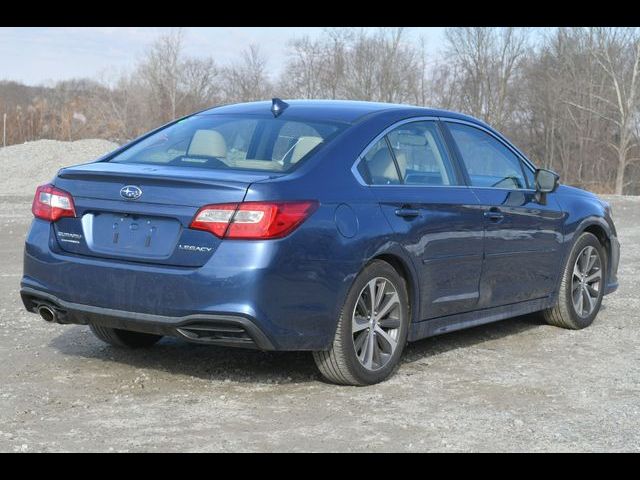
(124, 338)
(372, 329)
(582, 285)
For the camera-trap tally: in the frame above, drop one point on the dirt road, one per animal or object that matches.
(511, 386)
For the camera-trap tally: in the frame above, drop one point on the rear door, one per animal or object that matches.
(437, 220)
(522, 236)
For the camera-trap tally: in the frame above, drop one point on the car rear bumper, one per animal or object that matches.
(225, 330)
(279, 297)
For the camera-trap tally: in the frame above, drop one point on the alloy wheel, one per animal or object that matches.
(586, 281)
(376, 322)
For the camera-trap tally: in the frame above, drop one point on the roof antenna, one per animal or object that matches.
(278, 106)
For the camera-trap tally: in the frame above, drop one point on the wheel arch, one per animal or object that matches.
(596, 225)
(600, 229)
(405, 269)
(401, 263)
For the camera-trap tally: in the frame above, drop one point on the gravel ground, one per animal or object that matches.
(30, 164)
(516, 385)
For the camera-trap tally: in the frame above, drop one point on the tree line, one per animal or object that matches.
(568, 97)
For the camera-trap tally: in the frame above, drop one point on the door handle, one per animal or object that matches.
(494, 214)
(407, 212)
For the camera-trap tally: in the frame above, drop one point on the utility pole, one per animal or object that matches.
(4, 130)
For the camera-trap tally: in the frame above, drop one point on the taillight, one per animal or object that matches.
(253, 220)
(51, 203)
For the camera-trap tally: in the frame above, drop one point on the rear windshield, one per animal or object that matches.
(232, 142)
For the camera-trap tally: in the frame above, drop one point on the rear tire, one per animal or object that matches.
(577, 292)
(367, 348)
(124, 338)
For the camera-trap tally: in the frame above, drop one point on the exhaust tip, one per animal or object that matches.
(47, 313)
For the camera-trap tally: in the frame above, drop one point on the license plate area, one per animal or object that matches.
(127, 234)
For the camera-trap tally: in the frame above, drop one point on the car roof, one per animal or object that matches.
(349, 111)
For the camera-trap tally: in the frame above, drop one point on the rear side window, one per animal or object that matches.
(232, 142)
(488, 161)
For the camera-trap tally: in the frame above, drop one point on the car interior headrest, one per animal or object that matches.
(208, 143)
(381, 165)
(410, 139)
(303, 146)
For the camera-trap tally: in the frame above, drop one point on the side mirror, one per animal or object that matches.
(546, 180)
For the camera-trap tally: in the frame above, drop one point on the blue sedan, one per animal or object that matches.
(343, 228)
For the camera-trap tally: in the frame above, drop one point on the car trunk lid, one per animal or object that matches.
(152, 228)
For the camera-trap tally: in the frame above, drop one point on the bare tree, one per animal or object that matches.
(201, 83)
(176, 84)
(247, 79)
(485, 62)
(383, 66)
(356, 64)
(617, 51)
(569, 139)
(302, 79)
(119, 107)
(161, 72)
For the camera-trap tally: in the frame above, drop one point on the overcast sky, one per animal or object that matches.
(43, 55)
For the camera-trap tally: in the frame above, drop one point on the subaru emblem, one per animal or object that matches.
(130, 192)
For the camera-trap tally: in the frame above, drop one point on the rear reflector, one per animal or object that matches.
(253, 220)
(51, 203)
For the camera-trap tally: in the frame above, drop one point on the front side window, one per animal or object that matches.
(232, 142)
(489, 163)
(411, 154)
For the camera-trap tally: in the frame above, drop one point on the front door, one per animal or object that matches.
(522, 236)
(436, 220)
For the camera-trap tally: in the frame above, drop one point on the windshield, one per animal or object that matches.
(231, 142)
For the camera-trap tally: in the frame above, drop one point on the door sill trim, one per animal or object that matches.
(458, 321)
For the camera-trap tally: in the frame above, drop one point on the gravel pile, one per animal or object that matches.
(25, 166)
